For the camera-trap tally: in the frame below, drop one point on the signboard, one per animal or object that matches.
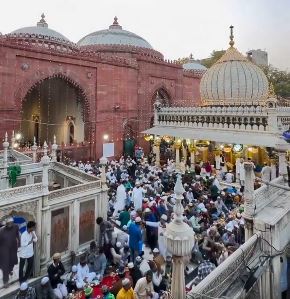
(108, 150)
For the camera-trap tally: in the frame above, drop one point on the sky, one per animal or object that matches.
(174, 28)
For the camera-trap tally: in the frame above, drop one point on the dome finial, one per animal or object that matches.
(42, 22)
(232, 36)
(115, 24)
(190, 56)
(115, 21)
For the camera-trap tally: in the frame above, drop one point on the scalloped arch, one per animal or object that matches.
(30, 84)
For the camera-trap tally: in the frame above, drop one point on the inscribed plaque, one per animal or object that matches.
(59, 230)
(87, 221)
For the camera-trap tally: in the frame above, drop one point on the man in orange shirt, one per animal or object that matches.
(127, 291)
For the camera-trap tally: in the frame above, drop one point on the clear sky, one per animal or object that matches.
(175, 28)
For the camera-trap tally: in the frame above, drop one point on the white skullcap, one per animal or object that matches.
(118, 244)
(164, 217)
(9, 219)
(151, 198)
(147, 210)
(150, 204)
(125, 281)
(23, 286)
(223, 193)
(138, 219)
(124, 227)
(44, 280)
(130, 265)
(156, 250)
(74, 269)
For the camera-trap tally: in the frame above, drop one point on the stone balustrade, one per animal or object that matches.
(76, 173)
(75, 190)
(21, 192)
(266, 194)
(218, 281)
(215, 117)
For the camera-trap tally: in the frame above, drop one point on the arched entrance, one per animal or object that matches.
(129, 139)
(162, 95)
(54, 106)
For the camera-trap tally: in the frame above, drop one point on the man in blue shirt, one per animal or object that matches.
(135, 238)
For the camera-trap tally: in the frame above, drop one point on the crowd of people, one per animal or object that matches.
(131, 243)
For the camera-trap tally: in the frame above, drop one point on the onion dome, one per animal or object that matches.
(40, 32)
(234, 80)
(193, 65)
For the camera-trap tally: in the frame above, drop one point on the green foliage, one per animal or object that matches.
(13, 172)
(214, 57)
(279, 79)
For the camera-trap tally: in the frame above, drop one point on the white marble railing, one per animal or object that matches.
(74, 190)
(21, 158)
(266, 194)
(218, 281)
(13, 193)
(73, 171)
(232, 118)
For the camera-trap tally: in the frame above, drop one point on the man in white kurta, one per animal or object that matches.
(83, 273)
(120, 199)
(266, 173)
(137, 196)
(161, 230)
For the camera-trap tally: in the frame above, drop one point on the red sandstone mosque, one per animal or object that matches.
(102, 87)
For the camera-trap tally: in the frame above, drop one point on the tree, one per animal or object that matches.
(214, 57)
(279, 79)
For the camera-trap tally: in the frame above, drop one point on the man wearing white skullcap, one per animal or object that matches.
(46, 291)
(26, 292)
(126, 291)
(161, 225)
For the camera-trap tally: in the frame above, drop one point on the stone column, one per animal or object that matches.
(177, 146)
(249, 199)
(45, 165)
(34, 149)
(103, 162)
(238, 163)
(53, 150)
(5, 154)
(179, 238)
(13, 140)
(157, 142)
(282, 163)
(45, 237)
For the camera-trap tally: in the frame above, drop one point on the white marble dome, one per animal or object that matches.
(115, 35)
(234, 80)
(193, 65)
(42, 31)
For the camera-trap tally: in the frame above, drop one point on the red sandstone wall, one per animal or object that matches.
(106, 86)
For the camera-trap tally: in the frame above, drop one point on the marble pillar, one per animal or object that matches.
(13, 140)
(192, 160)
(179, 240)
(157, 151)
(103, 162)
(53, 150)
(249, 199)
(273, 170)
(34, 149)
(5, 154)
(177, 155)
(45, 166)
(45, 238)
(282, 163)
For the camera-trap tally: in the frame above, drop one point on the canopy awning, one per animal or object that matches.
(257, 138)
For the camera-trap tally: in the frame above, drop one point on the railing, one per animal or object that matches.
(20, 157)
(21, 191)
(73, 171)
(232, 118)
(219, 280)
(266, 194)
(74, 190)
